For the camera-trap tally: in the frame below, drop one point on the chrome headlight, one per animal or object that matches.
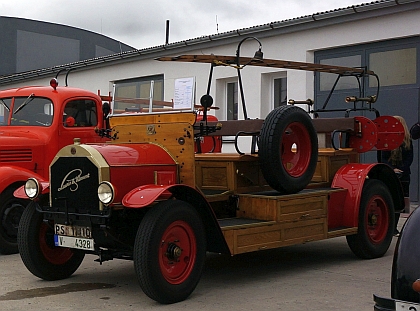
(32, 188)
(106, 192)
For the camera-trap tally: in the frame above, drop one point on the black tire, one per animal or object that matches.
(376, 221)
(11, 209)
(37, 250)
(405, 268)
(288, 149)
(170, 251)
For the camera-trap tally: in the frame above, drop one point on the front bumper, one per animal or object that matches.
(389, 304)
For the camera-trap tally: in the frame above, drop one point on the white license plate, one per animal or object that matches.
(73, 242)
(74, 231)
(406, 306)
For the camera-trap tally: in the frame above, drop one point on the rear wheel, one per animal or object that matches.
(169, 251)
(288, 149)
(376, 221)
(11, 209)
(38, 252)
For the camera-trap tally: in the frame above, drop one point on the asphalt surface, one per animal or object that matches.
(322, 275)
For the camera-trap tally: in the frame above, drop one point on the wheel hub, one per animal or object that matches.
(373, 219)
(173, 252)
(11, 217)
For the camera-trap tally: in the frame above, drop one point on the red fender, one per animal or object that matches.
(21, 194)
(343, 206)
(12, 174)
(145, 195)
(351, 177)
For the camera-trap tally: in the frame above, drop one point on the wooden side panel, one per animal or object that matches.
(228, 172)
(243, 240)
(284, 208)
(299, 218)
(176, 138)
(214, 175)
(305, 231)
(253, 239)
(329, 161)
(257, 207)
(302, 208)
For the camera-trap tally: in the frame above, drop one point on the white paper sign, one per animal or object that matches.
(184, 93)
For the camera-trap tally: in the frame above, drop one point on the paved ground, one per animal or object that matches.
(321, 275)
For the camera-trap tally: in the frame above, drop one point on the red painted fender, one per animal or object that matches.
(352, 177)
(145, 195)
(13, 174)
(21, 194)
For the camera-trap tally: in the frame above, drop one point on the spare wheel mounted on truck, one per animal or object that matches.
(147, 196)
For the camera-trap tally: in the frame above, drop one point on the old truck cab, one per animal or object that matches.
(36, 122)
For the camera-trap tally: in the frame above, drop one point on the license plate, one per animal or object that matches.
(73, 242)
(74, 231)
(406, 306)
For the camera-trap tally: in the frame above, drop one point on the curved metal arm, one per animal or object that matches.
(258, 55)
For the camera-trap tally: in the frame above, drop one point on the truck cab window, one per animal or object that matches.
(82, 112)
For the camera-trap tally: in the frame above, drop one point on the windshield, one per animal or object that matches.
(27, 111)
(146, 96)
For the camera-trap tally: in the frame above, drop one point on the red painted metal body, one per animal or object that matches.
(383, 133)
(137, 164)
(344, 206)
(33, 147)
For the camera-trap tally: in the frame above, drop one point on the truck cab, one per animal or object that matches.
(36, 122)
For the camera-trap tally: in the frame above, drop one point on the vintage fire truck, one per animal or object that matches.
(150, 196)
(32, 131)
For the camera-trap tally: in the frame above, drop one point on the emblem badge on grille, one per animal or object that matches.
(72, 179)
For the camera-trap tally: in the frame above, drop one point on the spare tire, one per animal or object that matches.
(288, 149)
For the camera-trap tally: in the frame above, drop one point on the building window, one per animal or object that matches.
(280, 92)
(396, 67)
(327, 80)
(232, 100)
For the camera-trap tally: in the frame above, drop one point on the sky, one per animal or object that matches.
(142, 24)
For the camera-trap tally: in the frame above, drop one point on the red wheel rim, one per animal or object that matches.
(296, 149)
(55, 255)
(177, 252)
(376, 219)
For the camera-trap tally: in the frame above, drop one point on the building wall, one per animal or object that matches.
(298, 43)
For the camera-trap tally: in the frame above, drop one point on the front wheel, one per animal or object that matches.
(169, 251)
(38, 252)
(11, 209)
(376, 221)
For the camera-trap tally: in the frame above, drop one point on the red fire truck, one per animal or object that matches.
(36, 122)
(149, 196)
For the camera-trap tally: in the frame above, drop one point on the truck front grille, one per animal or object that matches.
(73, 185)
(16, 155)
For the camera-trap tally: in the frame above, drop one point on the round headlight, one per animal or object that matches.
(32, 188)
(106, 192)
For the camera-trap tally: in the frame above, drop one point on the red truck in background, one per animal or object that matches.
(36, 122)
